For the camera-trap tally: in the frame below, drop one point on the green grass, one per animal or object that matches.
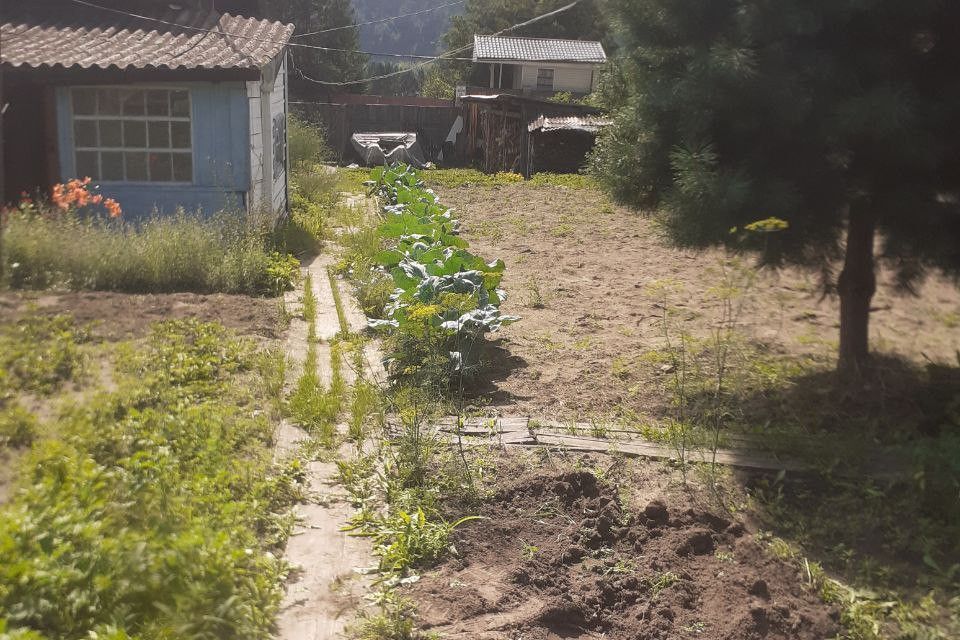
(154, 510)
(226, 252)
(38, 354)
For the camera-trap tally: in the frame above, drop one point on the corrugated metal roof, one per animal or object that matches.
(537, 49)
(91, 38)
(589, 124)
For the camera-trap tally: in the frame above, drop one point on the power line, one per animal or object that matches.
(447, 55)
(250, 38)
(381, 20)
(443, 56)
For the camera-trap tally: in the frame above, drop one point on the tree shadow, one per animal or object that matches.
(497, 364)
(883, 511)
(896, 401)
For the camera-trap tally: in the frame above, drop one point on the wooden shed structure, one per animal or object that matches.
(497, 129)
(164, 105)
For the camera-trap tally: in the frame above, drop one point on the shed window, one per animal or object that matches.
(132, 135)
(545, 79)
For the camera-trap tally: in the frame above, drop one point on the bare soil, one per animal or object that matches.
(582, 273)
(561, 554)
(117, 316)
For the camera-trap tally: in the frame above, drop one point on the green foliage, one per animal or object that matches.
(39, 353)
(445, 298)
(305, 143)
(567, 180)
(405, 540)
(227, 252)
(156, 511)
(340, 61)
(450, 178)
(18, 427)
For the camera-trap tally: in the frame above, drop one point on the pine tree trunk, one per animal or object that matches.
(856, 287)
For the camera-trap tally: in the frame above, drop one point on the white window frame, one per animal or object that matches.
(144, 118)
(553, 74)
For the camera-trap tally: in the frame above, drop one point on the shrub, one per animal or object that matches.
(305, 142)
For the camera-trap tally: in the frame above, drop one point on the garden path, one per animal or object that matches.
(325, 587)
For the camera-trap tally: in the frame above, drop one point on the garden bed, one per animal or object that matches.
(117, 316)
(570, 552)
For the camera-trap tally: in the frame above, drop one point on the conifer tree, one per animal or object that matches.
(841, 117)
(310, 16)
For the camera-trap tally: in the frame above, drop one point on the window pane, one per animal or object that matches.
(85, 133)
(111, 134)
(159, 135)
(180, 135)
(111, 162)
(158, 103)
(108, 101)
(84, 102)
(133, 103)
(136, 166)
(160, 169)
(135, 134)
(183, 167)
(87, 165)
(180, 103)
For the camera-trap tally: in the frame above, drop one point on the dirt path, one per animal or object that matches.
(324, 588)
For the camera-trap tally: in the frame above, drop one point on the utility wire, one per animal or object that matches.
(252, 38)
(447, 55)
(381, 20)
(443, 56)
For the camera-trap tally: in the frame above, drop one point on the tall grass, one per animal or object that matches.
(228, 252)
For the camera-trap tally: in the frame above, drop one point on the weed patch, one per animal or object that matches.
(155, 511)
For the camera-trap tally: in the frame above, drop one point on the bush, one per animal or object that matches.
(228, 252)
(305, 143)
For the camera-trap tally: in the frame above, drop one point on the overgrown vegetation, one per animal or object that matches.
(153, 509)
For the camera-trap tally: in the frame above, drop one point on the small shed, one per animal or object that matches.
(560, 144)
(497, 130)
(164, 104)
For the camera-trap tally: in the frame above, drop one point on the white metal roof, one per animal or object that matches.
(486, 48)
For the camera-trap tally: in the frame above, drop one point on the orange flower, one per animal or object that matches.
(113, 207)
(77, 193)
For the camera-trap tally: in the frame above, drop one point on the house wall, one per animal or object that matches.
(267, 99)
(278, 115)
(220, 126)
(566, 77)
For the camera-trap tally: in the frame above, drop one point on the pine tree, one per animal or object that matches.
(839, 116)
(330, 66)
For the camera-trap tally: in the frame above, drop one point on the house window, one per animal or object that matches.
(545, 79)
(132, 135)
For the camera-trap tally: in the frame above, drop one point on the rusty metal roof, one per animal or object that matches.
(587, 124)
(165, 37)
(487, 48)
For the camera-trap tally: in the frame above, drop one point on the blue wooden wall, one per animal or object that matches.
(221, 155)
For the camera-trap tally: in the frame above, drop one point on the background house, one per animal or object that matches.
(537, 66)
(162, 104)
